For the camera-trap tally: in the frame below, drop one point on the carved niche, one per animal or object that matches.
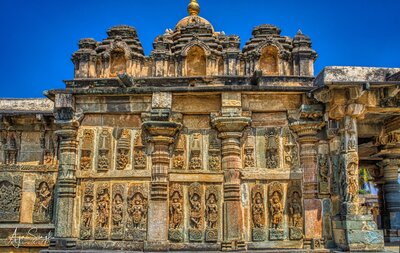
(11, 148)
(123, 150)
(102, 212)
(249, 161)
(137, 213)
(212, 213)
(214, 152)
(178, 161)
(258, 213)
(176, 213)
(272, 148)
(87, 149)
(290, 150)
(323, 175)
(104, 152)
(196, 213)
(139, 152)
(43, 209)
(10, 197)
(195, 153)
(276, 209)
(47, 142)
(117, 212)
(295, 208)
(87, 212)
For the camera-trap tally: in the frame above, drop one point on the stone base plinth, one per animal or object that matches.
(392, 235)
(357, 233)
(276, 234)
(258, 234)
(175, 235)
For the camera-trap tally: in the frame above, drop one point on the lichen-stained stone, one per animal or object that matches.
(203, 146)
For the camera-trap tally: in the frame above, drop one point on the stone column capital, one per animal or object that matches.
(230, 124)
(307, 130)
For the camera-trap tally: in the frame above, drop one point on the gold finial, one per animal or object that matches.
(194, 8)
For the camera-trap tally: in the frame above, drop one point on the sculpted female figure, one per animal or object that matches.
(176, 212)
(276, 210)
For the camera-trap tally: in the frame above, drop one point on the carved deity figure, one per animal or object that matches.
(43, 202)
(195, 211)
(102, 208)
(212, 211)
(276, 210)
(178, 162)
(103, 160)
(176, 212)
(86, 160)
(87, 210)
(324, 168)
(258, 211)
(352, 182)
(137, 211)
(295, 210)
(122, 160)
(117, 210)
(214, 162)
(140, 158)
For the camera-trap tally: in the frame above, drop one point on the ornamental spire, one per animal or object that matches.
(194, 8)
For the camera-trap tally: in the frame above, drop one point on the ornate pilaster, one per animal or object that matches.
(230, 124)
(307, 126)
(352, 230)
(67, 123)
(161, 132)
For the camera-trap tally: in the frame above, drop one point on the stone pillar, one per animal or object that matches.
(307, 137)
(352, 231)
(391, 197)
(230, 124)
(64, 237)
(161, 132)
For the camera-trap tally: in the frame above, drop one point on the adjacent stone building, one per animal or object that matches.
(201, 146)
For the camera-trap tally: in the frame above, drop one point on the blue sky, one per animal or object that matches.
(38, 37)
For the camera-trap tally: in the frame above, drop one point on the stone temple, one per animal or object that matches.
(202, 146)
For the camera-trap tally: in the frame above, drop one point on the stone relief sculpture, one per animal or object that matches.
(350, 186)
(139, 156)
(10, 197)
(212, 213)
(176, 213)
(123, 150)
(87, 149)
(196, 213)
(323, 175)
(258, 213)
(104, 152)
(290, 150)
(178, 161)
(43, 209)
(214, 153)
(137, 213)
(195, 151)
(87, 212)
(275, 194)
(249, 161)
(47, 144)
(295, 213)
(102, 212)
(117, 211)
(272, 148)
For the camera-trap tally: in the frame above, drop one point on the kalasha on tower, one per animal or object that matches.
(203, 146)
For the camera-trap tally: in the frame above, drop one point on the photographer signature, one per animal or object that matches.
(31, 237)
